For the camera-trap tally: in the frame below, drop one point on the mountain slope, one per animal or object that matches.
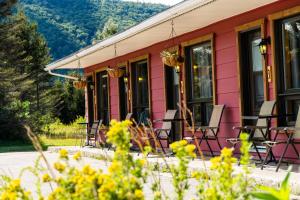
(69, 25)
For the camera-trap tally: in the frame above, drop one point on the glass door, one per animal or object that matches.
(251, 73)
(172, 97)
(123, 95)
(90, 94)
(102, 97)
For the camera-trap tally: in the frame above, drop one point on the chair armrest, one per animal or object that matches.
(238, 128)
(158, 120)
(161, 129)
(206, 127)
(250, 117)
(255, 127)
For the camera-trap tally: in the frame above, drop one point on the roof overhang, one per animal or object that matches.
(187, 16)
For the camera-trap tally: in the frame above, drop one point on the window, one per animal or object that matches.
(288, 59)
(102, 97)
(140, 93)
(199, 85)
(123, 93)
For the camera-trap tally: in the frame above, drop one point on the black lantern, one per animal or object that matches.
(263, 45)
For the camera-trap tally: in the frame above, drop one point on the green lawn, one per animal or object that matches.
(18, 146)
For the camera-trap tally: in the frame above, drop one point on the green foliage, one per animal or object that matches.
(70, 25)
(183, 152)
(269, 193)
(110, 28)
(58, 129)
(70, 101)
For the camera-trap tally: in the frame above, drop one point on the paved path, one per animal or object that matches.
(12, 163)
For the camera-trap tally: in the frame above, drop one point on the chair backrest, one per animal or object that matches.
(95, 127)
(216, 117)
(266, 109)
(128, 116)
(170, 115)
(297, 125)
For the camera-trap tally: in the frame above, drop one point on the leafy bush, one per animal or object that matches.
(58, 129)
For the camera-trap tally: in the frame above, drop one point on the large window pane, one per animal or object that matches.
(291, 50)
(288, 60)
(199, 81)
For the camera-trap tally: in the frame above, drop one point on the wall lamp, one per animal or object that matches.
(263, 45)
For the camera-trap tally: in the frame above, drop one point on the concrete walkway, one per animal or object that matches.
(12, 163)
(268, 176)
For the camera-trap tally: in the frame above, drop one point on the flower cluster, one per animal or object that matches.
(12, 190)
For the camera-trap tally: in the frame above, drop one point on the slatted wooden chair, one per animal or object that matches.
(259, 132)
(211, 131)
(292, 136)
(92, 134)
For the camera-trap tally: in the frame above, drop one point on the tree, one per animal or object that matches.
(110, 28)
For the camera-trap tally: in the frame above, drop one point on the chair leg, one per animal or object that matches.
(295, 149)
(162, 146)
(281, 157)
(218, 143)
(259, 156)
(266, 158)
(211, 151)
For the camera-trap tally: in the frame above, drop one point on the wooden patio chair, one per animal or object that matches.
(258, 133)
(92, 134)
(292, 136)
(211, 131)
(163, 133)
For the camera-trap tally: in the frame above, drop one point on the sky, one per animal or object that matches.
(166, 2)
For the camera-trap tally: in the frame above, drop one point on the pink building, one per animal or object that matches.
(219, 40)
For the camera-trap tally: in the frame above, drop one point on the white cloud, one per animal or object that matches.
(166, 2)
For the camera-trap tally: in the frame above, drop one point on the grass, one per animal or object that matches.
(21, 146)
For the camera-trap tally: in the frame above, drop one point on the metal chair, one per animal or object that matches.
(163, 133)
(292, 136)
(92, 134)
(258, 133)
(211, 131)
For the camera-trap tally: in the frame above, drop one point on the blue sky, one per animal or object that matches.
(167, 2)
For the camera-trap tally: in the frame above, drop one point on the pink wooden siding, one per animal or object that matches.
(227, 90)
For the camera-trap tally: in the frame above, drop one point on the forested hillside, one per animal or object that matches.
(69, 25)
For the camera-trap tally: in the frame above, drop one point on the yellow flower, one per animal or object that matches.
(63, 154)
(15, 184)
(46, 178)
(114, 167)
(190, 149)
(226, 152)
(59, 167)
(88, 170)
(77, 156)
(139, 194)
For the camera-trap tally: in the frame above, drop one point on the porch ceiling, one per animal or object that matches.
(188, 16)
